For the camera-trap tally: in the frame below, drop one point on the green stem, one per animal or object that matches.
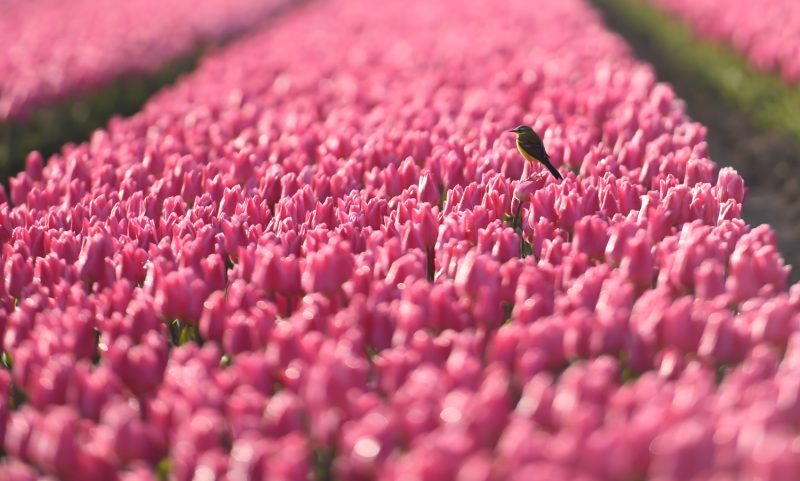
(431, 263)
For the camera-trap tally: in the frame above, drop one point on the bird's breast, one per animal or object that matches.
(525, 153)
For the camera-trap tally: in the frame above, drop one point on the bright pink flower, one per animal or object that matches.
(525, 188)
(426, 219)
(94, 262)
(569, 209)
(507, 245)
(684, 451)
(730, 185)
(637, 262)
(91, 389)
(709, 279)
(591, 236)
(699, 170)
(15, 470)
(427, 189)
(721, 341)
(180, 295)
(755, 265)
(133, 438)
(18, 275)
(50, 384)
(212, 321)
(54, 444)
(328, 269)
(774, 322)
(18, 433)
(680, 329)
(140, 367)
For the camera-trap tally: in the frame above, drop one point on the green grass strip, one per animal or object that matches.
(762, 96)
(48, 128)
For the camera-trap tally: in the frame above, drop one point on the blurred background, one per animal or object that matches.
(739, 77)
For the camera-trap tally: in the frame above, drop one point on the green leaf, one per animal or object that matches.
(163, 469)
(188, 333)
(5, 358)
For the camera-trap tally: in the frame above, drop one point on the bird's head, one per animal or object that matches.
(523, 131)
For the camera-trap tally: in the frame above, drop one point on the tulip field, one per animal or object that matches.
(320, 257)
(53, 49)
(66, 68)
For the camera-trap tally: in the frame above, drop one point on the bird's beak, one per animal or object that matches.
(513, 131)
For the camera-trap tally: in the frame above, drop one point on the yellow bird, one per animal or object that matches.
(531, 147)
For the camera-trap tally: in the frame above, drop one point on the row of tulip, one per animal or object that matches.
(54, 49)
(765, 32)
(321, 256)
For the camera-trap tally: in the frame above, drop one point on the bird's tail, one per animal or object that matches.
(553, 170)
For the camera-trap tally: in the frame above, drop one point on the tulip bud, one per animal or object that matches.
(19, 275)
(427, 189)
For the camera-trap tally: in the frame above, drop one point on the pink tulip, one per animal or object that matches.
(721, 341)
(591, 236)
(774, 322)
(428, 191)
(133, 438)
(730, 185)
(524, 189)
(754, 266)
(18, 275)
(140, 367)
(684, 452)
(327, 270)
(17, 471)
(637, 261)
(53, 442)
(92, 263)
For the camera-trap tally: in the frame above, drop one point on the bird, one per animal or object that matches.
(531, 147)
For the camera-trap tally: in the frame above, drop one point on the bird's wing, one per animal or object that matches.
(534, 148)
